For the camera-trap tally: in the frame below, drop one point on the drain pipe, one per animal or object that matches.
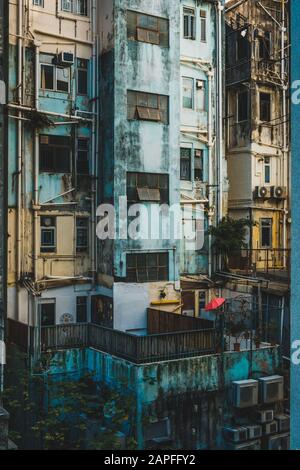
(210, 168)
(94, 141)
(19, 159)
(219, 12)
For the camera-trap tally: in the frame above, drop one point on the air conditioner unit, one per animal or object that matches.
(199, 84)
(279, 192)
(270, 428)
(253, 445)
(264, 416)
(238, 434)
(254, 431)
(158, 432)
(262, 192)
(271, 389)
(279, 442)
(283, 422)
(66, 59)
(245, 393)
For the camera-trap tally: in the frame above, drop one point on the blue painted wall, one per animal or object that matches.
(295, 311)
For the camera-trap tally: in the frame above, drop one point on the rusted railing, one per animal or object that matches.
(260, 260)
(137, 349)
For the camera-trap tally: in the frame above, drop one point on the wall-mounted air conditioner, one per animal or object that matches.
(279, 192)
(283, 423)
(271, 389)
(270, 428)
(263, 416)
(237, 434)
(253, 445)
(279, 442)
(245, 393)
(65, 59)
(262, 192)
(254, 431)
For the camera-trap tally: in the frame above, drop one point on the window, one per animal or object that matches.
(82, 234)
(55, 154)
(267, 170)
(53, 77)
(147, 28)
(198, 165)
(242, 106)
(82, 76)
(147, 187)
(47, 313)
(265, 107)
(266, 233)
(201, 95)
(185, 164)
(83, 156)
(81, 309)
(189, 23)
(77, 7)
(38, 3)
(203, 25)
(265, 46)
(242, 45)
(48, 234)
(147, 267)
(148, 107)
(188, 93)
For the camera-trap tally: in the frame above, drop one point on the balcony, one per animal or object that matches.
(272, 263)
(169, 337)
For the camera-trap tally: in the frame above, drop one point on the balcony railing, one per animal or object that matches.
(268, 261)
(137, 349)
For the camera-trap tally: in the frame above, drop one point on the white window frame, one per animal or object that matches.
(73, 7)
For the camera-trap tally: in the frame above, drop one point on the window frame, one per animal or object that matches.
(47, 248)
(203, 26)
(267, 174)
(79, 69)
(85, 229)
(81, 303)
(74, 9)
(49, 145)
(55, 68)
(189, 23)
(134, 28)
(39, 4)
(138, 176)
(189, 159)
(146, 112)
(192, 81)
(262, 228)
(143, 263)
(263, 109)
(80, 151)
(201, 158)
(245, 93)
(47, 302)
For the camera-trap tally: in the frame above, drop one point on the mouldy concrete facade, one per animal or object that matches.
(203, 169)
(258, 152)
(193, 394)
(135, 146)
(52, 161)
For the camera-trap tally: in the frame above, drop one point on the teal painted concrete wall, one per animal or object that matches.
(193, 393)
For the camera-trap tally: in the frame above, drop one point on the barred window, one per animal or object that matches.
(147, 187)
(147, 28)
(77, 7)
(147, 267)
(55, 154)
(147, 107)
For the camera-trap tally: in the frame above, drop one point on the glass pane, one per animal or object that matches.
(63, 79)
(187, 93)
(47, 77)
(82, 82)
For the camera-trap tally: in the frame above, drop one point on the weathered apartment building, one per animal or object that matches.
(52, 142)
(258, 156)
(123, 98)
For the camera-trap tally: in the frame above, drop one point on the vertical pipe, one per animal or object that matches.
(19, 158)
(94, 140)
(285, 172)
(210, 167)
(219, 10)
